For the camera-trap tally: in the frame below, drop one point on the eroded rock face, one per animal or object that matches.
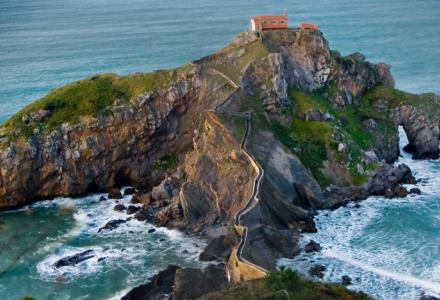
(217, 185)
(120, 148)
(423, 133)
(159, 286)
(307, 58)
(268, 74)
(288, 197)
(192, 283)
(353, 75)
(180, 284)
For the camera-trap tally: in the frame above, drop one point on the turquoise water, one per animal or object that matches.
(34, 238)
(45, 43)
(392, 246)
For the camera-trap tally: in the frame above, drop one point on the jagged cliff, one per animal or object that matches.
(258, 130)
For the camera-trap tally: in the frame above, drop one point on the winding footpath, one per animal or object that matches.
(253, 199)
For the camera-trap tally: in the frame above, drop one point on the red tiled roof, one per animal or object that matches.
(258, 19)
(308, 26)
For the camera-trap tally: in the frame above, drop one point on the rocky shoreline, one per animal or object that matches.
(324, 131)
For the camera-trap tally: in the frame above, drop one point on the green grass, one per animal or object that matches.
(313, 141)
(87, 98)
(277, 283)
(393, 97)
(302, 289)
(352, 124)
(309, 140)
(303, 101)
(166, 163)
(253, 51)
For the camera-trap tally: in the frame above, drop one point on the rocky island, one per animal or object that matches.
(241, 147)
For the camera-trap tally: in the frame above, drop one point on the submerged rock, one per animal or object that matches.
(141, 215)
(415, 191)
(317, 270)
(119, 207)
(113, 224)
(74, 259)
(132, 209)
(345, 280)
(427, 297)
(312, 246)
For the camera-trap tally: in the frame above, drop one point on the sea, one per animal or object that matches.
(391, 248)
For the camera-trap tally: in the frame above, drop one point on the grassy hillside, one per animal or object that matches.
(86, 98)
(286, 284)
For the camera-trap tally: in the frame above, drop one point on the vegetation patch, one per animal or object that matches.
(308, 140)
(285, 284)
(166, 163)
(232, 67)
(317, 141)
(300, 288)
(84, 99)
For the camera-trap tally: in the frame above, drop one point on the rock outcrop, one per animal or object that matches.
(114, 149)
(225, 138)
(180, 284)
(74, 259)
(423, 133)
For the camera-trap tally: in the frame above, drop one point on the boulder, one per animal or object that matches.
(151, 230)
(74, 259)
(102, 198)
(400, 191)
(308, 226)
(315, 115)
(115, 193)
(132, 209)
(141, 215)
(345, 280)
(192, 283)
(415, 191)
(160, 286)
(113, 224)
(312, 246)
(387, 180)
(119, 207)
(217, 248)
(317, 270)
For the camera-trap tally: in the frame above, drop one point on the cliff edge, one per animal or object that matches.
(241, 146)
